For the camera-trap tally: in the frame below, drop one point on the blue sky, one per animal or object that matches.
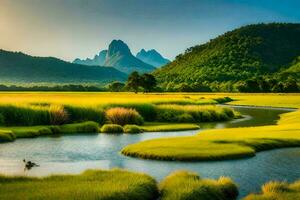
(80, 28)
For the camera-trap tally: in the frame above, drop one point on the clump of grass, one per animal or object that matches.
(81, 114)
(132, 129)
(182, 185)
(7, 136)
(83, 127)
(146, 110)
(58, 115)
(123, 116)
(223, 100)
(90, 185)
(275, 186)
(112, 128)
(194, 113)
(275, 190)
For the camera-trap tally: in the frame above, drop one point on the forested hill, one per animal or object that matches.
(16, 67)
(252, 52)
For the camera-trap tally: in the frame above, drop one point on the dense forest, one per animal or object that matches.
(253, 58)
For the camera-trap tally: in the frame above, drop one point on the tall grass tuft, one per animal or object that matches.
(58, 115)
(80, 114)
(275, 190)
(123, 116)
(182, 185)
(146, 110)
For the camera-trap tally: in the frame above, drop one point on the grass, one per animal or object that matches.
(123, 116)
(184, 185)
(193, 113)
(165, 127)
(91, 185)
(131, 128)
(221, 144)
(112, 128)
(275, 190)
(8, 134)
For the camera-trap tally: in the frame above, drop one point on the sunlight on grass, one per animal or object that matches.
(92, 184)
(221, 144)
(275, 190)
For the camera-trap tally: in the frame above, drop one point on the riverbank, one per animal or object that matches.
(222, 144)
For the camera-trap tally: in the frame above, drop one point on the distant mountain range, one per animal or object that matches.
(250, 52)
(17, 67)
(120, 57)
(152, 57)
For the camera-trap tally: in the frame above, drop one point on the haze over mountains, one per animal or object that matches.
(16, 67)
(120, 57)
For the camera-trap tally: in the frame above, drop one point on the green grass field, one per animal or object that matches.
(221, 144)
(90, 185)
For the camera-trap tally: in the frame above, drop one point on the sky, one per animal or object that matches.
(70, 29)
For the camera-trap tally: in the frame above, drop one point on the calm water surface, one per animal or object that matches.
(76, 153)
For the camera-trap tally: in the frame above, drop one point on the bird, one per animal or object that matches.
(29, 164)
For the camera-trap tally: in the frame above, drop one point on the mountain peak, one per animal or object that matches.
(118, 47)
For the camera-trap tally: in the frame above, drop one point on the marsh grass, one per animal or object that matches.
(81, 114)
(183, 185)
(123, 116)
(221, 144)
(276, 190)
(193, 113)
(58, 115)
(131, 128)
(90, 185)
(20, 115)
(147, 110)
(8, 134)
(112, 128)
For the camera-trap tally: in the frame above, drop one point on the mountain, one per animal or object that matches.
(152, 57)
(19, 67)
(249, 52)
(97, 60)
(120, 57)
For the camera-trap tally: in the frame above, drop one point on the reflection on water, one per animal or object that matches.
(73, 154)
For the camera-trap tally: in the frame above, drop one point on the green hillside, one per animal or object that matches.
(250, 53)
(16, 67)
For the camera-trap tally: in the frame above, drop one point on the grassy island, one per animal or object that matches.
(222, 144)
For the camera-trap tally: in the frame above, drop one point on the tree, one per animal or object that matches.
(133, 82)
(116, 86)
(148, 82)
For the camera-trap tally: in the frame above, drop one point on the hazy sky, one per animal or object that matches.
(80, 28)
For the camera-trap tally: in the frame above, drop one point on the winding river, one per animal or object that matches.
(76, 153)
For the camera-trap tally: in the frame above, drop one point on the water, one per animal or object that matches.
(76, 153)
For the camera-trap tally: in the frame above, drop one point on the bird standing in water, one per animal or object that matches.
(29, 164)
